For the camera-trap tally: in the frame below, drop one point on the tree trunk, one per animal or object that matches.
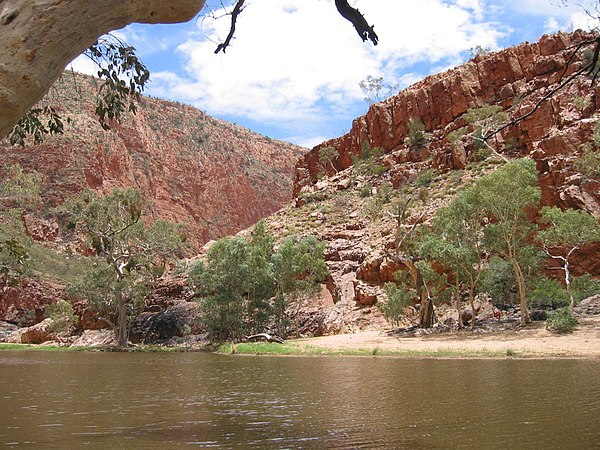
(568, 286)
(473, 312)
(40, 37)
(426, 313)
(525, 319)
(458, 309)
(121, 320)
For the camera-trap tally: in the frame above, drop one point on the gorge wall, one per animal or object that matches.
(214, 177)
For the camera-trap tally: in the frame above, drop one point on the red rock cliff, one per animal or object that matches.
(215, 177)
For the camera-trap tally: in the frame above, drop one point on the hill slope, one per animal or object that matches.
(213, 176)
(350, 203)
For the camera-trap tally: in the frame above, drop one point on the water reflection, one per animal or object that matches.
(100, 400)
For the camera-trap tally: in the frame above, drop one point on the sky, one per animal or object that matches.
(294, 67)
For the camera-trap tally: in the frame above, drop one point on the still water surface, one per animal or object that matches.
(140, 401)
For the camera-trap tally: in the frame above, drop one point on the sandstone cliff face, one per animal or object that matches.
(515, 79)
(352, 211)
(212, 176)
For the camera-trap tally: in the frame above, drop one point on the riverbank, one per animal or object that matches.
(533, 341)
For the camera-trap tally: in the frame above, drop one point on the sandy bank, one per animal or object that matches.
(532, 341)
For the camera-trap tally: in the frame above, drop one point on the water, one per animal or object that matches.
(140, 401)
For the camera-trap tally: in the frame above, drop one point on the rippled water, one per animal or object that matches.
(105, 400)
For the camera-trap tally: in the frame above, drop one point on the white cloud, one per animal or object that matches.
(294, 62)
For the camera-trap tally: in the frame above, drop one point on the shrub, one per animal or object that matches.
(62, 314)
(585, 286)
(426, 177)
(417, 137)
(561, 321)
(588, 163)
(398, 299)
(546, 292)
(366, 190)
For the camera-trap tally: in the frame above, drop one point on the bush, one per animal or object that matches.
(398, 299)
(417, 137)
(498, 281)
(585, 286)
(561, 321)
(62, 314)
(588, 163)
(546, 292)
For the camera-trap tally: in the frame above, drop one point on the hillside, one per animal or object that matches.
(416, 148)
(215, 177)
(351, 202)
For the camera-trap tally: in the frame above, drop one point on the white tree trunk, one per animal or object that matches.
(40, 37)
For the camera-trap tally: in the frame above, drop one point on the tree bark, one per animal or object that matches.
(525, 318)
(40, 37)
(121, 320)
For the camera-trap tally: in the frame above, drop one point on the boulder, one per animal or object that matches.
(38, 333)
(176, 320)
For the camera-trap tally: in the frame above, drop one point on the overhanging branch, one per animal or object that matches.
(364, 30)
(239, 6)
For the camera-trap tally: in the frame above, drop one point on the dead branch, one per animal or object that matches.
(589, 69)
(364, 30)
(234, 16)
(362, 27)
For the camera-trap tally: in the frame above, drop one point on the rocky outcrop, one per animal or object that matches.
(177, 320)
(515, 79)
(346, 205)
(24, 303)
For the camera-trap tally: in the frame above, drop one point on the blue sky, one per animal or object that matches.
(294, 68)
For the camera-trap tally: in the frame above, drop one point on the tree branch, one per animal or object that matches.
(239, 6)
(364, 30)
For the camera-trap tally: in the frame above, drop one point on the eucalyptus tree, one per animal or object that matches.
(565, 233)
(129, 254)
(456, 242)
(505, 196)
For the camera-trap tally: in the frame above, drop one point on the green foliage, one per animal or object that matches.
(507, 234)
(14, 260)
(130, 254)
(366, 190)
(547, 292)
(222, 282)
(561, 321)
(20, 189)
(327, 155)
(585, 286)
(417, 137)
(426, 178)
(117, 62)
(398, 299)
(369, 164)
(581, 103)
(485, 120)
(478, 50)
(246, 286)
(498, 280)
(376, 90)
(124, 79)
(568, 228)
(38, 122)
(63, 316)
(589, 162)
